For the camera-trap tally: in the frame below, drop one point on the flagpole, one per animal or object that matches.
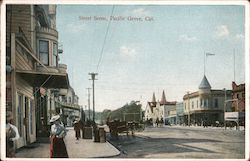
(204, 63)
(234, 65)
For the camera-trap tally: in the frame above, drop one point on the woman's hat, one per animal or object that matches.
(9, 115)
(54, 118)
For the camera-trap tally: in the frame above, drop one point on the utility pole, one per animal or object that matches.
(93, 87)
(89, 101)
(188, 110)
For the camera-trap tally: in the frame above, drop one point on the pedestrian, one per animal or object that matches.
(157, 121)
(161, 121)
(77, 129)
(57, 145)
(12, 134)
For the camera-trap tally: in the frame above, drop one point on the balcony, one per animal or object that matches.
(44, 32)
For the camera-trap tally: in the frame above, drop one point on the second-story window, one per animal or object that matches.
(216, 102)
(44, 52)
(55, 54)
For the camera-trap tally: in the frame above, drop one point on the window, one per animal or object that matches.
(44, 52)
(19, 114)
(243, 95)
(205, 103)
(192, 104)
(197, 104)
(216, 102)
(64, 99)
(55, 54)
(201, 102)
(69, 99)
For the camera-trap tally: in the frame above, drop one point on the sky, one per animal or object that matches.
(164, 50)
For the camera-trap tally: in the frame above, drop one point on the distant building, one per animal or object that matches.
(68, 106)
(238, 92)
(205, 105)
(149, 111)
(161, 109)
(169, 110)
(179, 113)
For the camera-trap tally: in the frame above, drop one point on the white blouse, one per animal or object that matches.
(58, 130)
(15, 129)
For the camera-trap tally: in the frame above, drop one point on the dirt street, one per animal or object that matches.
(182, 142)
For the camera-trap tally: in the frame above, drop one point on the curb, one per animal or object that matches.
(110, 156)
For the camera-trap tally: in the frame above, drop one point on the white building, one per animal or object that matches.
(161, 109)
(205, 105)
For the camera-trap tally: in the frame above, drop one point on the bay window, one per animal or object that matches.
(44, 52)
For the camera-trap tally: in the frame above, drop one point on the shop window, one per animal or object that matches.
(55, 54)
(44, 52)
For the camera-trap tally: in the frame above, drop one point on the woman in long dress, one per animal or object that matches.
(58, 132)
(12, 134)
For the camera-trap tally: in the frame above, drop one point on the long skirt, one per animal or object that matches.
(77, 133)
(10, 151)
(58, 148)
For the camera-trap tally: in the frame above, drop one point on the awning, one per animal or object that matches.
(45, 79)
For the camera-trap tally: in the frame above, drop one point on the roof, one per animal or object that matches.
(153, 99)
(152, 105)
(163, 99)
(204, 83)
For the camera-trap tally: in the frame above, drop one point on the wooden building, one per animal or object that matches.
(31, 65)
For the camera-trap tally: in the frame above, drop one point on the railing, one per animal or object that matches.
(47, 30)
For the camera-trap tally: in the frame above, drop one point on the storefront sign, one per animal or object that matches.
(231, 116)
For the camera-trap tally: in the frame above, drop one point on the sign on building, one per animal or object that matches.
(231, 116)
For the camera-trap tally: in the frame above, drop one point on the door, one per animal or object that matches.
(26, 120)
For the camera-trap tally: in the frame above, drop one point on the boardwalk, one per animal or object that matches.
(82, 148)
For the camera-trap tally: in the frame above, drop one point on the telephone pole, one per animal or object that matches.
(89, 101)
(93, 87)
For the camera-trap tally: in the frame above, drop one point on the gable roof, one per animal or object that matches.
(152, 105)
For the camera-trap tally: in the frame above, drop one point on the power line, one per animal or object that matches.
(104, 42)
